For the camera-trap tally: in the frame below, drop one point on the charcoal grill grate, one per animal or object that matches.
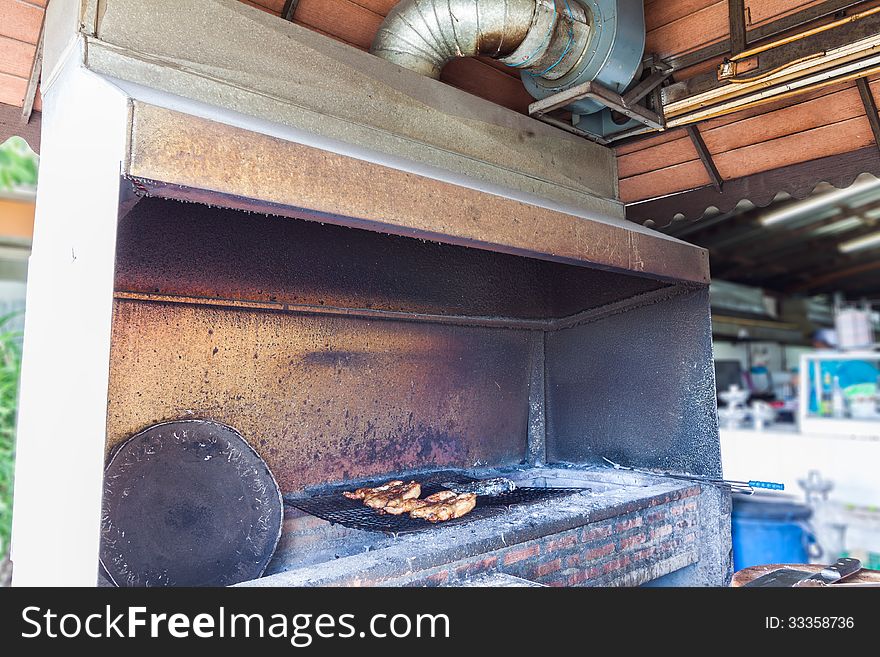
(338, 509)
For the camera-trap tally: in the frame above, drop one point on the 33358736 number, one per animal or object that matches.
(809, 622)
(819, 622)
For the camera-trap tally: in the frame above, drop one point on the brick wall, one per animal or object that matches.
(625, 550)
(638, 536)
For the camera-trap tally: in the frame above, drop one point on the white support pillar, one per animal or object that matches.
(63, 400)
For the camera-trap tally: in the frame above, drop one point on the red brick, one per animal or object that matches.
(476, 567)
(635, 539)
(544, 569)
(578, 577)
(660, 532)
(676, 509)
(690, 492)
(689, 538)
(690, 505)
(599, 552)
(625, 525)
(520, 554)
(644, 553)
(617, 564)
(591, 533)
(573, 561)
(437, 578)
(656, 516)
(560, 543)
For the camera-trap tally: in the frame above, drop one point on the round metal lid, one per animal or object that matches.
(188, 503)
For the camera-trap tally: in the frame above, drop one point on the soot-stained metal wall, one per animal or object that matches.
(209, 322)
(168, 247)
(637, 387)
(323, 398)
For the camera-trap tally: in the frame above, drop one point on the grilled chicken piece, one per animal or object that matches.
(399, 506)
(361, 493)
(440, 496)
(402, 492)
(448, 509)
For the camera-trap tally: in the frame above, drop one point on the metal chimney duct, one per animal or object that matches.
(557, 44)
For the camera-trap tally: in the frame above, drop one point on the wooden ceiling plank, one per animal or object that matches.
(478, 78)
(798, 180)
(822, 110)
(261, 7)
(685, 176)
(16, 56)
(648, 141)
(762, 12)
(691, 32)
(842, 137)
(776, 106)
(667, 154)
(12, 90)
(20, 21)
(381, 7)
(764, 128)
(662, 12)
(349, 21)
(272, 6)
(809, 17)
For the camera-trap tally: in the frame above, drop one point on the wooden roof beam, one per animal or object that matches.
(30, 94)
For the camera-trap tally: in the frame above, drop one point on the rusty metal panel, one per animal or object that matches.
(323, 398)
(179, 156)
(637, 387)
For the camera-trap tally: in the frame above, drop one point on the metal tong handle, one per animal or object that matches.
(832, 574)
(842, 568)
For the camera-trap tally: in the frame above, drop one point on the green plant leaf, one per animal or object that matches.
(19, 165)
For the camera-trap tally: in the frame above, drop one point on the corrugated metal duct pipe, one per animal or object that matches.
(544, 37)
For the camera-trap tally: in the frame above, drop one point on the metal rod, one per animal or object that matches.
(595, 91)
(729, 108)
(705, 156)
(568, 127)
(646, 86)
(870, 108)
(369, 313)
(796, 74)
(745, 487)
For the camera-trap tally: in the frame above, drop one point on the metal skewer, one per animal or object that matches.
(744, 487)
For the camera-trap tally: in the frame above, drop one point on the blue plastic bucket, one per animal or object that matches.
(769, 532)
